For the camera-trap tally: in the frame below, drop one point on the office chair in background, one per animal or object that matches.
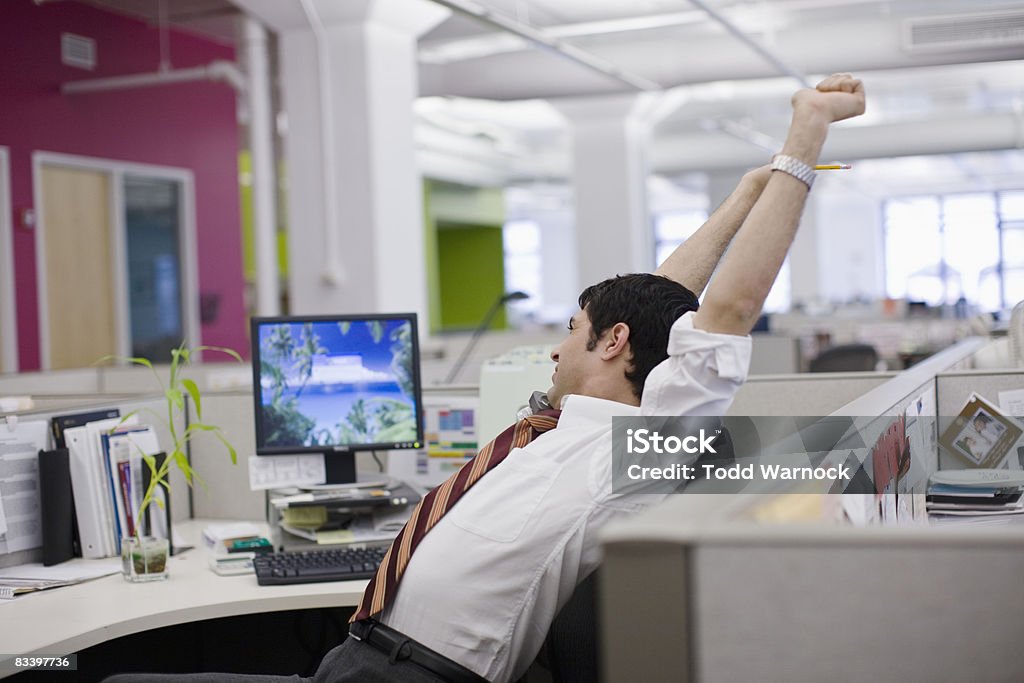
(846, 358)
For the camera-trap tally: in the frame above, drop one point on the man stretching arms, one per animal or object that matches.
(472, 584)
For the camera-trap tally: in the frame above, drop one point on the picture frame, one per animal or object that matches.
(981, 435)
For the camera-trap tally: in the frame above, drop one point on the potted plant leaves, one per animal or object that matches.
(144, 556)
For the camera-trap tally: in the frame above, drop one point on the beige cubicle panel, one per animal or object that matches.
(224, 492)
(804, 394)
(726, 601)
(52, 382)
(695, 591)
(774, 354)
(208, 376)
(954, 388)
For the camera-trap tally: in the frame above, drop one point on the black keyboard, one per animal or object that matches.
(311, 566)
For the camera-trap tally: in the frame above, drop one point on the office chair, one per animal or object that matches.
(570, 652)
(846, 358)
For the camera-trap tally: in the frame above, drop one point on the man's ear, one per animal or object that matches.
(615, 341)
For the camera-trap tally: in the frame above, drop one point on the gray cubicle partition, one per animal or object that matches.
(804, 394)
(695, 591)
(774, 354)
(706, 602)
(122, 380)
(955, 388)
(81, 381)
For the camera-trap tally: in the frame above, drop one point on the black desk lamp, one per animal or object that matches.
(484, 324)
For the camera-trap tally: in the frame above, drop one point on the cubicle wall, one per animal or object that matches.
(803, 604)
(119, 380)
(696, 590)
(953, 390)
(806, 394)
(223, 491)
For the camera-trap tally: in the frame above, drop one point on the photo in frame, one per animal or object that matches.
(981, 436)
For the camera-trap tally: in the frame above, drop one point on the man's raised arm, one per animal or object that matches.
(693, 261)
(733, 303)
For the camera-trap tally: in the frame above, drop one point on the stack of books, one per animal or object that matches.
(975, 493)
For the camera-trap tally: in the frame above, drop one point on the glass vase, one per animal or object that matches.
(144, 558)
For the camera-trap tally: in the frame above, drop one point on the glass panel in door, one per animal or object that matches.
(153, 228)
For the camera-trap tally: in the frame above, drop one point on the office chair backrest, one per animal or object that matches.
(846, 358)
(571, 645)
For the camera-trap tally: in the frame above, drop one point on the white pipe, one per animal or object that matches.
(555, 45)
(218, 70)
(753, 44)
(261, 146)
(332, 274)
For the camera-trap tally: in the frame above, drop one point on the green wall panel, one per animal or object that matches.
(471, 274)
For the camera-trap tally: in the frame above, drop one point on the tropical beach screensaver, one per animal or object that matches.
(337, 383)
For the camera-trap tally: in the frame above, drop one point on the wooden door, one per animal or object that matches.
(79, 269)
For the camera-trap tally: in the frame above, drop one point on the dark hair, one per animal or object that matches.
(648, 304)
(983, 417)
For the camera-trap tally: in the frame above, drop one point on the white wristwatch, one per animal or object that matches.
(794, 167)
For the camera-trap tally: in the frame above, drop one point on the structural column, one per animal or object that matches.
(609, 175)
(355, 210)
(264, 185)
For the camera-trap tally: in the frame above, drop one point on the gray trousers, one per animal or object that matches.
(351, 662)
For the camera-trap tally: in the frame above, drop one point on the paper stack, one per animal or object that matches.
(975, 493)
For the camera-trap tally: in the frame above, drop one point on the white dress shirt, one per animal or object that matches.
(484, 585)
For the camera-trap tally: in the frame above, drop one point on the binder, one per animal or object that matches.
(61, 423)
(58, 425)
(92, 499)
(56, 506)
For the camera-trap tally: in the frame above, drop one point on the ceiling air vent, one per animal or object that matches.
(77, 51)
(964, 31)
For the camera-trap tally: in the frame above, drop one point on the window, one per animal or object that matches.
(522, 263)
(672, 228)
(943, 247)
(152, 224)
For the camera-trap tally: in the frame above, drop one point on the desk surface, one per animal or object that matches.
(66, 620)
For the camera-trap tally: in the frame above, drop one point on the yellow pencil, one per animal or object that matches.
(832, 167)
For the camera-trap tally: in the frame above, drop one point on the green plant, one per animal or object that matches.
(174, 393)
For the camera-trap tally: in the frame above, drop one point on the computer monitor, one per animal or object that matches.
(335, 385)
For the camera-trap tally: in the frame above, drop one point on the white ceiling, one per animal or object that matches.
(728, 102)
(484, 114)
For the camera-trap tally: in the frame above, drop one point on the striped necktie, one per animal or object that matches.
(381, 589)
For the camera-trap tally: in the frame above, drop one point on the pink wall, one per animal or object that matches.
(189, 126)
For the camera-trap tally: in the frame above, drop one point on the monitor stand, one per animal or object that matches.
(339, 468)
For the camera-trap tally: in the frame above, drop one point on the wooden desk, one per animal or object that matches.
(66, 620)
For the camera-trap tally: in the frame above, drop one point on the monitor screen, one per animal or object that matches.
(336, 384)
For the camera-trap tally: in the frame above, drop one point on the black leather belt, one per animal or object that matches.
(399, 647)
